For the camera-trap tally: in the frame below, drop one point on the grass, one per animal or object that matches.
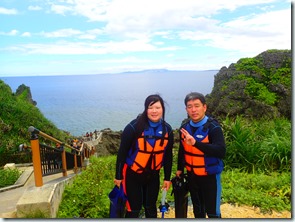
(8, 177)
(87, 197)
(268, 192)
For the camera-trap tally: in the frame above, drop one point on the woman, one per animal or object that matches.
(146, 146)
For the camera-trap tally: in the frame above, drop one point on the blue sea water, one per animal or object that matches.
(83, 103)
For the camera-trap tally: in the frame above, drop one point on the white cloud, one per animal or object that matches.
(150, 14)
(11, 33)
(7, 11)
(34, 8)
(61, 33)
(249, 34)
(83, 48)
(133, 18)
(60, 9)
(162, 28)
(26, 34)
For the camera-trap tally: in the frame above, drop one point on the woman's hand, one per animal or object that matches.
(166, 184)
(117, 182)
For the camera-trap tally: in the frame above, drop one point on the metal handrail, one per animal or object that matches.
(36, 157)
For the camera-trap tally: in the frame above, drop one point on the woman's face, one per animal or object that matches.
(155, 112)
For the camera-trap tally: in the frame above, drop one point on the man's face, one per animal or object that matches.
(196, 110)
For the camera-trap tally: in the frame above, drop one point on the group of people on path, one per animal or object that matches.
(146, 146)
(91, 135)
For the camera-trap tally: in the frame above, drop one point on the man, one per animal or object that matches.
(201, 150)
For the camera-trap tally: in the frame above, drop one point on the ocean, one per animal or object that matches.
(84, 103)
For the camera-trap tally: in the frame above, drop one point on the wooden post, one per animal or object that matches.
(36, 160)
(64, 164)
(75, 163)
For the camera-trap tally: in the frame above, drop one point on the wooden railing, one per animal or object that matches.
(48, 160)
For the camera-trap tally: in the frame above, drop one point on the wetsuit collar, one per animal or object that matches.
(153, 124)
(200, 123)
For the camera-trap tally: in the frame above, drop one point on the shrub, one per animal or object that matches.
(8, 177)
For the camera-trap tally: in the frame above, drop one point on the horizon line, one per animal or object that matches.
(125, 72)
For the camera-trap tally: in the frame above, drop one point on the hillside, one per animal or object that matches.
(258, 87)
(17, 113)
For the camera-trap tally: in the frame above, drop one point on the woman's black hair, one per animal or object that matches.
(142, 119)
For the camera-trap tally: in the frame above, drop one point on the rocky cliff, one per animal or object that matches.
(25, 90)
(256, 87)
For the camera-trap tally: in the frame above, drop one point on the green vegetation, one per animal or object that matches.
(268, 192)
(257, 90)
(8, 177)
(259, 79)
(17, 114)
(255, 87)
(258, 145)
(253, 64)
(88, 195)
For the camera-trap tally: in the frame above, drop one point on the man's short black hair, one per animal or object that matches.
(194, 96)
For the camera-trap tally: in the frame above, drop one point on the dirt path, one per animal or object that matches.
(231, 211)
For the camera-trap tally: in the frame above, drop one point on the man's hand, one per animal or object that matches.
(188, 138)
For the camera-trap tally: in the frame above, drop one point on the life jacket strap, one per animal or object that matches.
(193, 154)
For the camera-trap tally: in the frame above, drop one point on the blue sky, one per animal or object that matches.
(62, 37)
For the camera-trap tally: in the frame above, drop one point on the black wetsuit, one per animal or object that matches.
(205, 190)
(142, 189)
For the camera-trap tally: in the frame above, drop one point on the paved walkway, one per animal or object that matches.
(9, 196)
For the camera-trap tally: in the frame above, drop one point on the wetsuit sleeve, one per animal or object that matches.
(216, 147)
(127, 138)
(168, 156)
(180, 159)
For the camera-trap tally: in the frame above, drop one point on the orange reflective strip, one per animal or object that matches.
(128, 208)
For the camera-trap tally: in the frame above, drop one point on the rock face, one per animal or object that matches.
(256, 87)
(109, 144)
(25, 90)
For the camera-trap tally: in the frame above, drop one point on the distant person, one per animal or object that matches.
(146, 146)
(201, 150)
(95, 134)
(75, 149)
(58, 158)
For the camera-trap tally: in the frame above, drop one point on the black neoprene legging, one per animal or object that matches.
(205, 193)
(142, 190)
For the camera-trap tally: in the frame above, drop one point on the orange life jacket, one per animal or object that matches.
(195, 160)
(148, 151)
